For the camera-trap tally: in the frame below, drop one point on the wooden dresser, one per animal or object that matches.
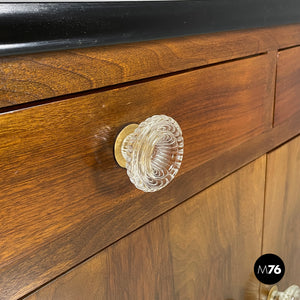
(72, 224)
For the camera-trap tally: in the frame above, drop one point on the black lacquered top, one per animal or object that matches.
(36, 27)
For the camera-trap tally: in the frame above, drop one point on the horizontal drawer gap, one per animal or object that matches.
(290, 47)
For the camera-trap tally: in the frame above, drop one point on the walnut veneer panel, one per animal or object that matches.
(63, 197)
(38, 76)
(202, 249)
(287, 85)
(216, 236)
(138, 266)
(282, 222)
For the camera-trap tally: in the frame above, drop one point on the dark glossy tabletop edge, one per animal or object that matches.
(38, 27)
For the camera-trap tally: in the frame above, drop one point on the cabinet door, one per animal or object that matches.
(282, 210)
(202, 249)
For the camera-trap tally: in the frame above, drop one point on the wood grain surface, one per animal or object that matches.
(282, 222)
(63, 197)
(138, 266)
(287, 101)
(26, 78)
(216, 236)
(202, 249)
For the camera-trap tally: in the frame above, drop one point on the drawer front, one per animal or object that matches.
(26, 78)
(199, 250)
(287, 101)
(63, 197)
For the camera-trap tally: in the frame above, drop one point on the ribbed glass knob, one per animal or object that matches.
(291, 293)
(152, 152)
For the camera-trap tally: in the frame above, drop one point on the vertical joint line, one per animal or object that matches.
(264, 205)
(259, 291)
(275, 87)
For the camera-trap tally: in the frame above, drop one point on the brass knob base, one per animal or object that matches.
(119, 141)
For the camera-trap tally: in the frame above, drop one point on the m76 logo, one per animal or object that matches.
(269, 269)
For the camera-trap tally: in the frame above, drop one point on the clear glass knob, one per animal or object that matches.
(151, 152)
(291, 293)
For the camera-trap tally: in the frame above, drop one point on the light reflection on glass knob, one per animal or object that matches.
(291, 293)
(151, 152)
